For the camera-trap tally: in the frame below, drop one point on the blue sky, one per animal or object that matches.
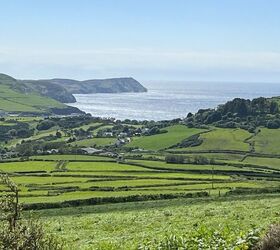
(215, 40)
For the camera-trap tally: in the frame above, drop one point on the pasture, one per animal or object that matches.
(267, 141)
(175, 134)
(57, 179)
(95, 142)
(222, 139)
(264, 161)
(13, 101)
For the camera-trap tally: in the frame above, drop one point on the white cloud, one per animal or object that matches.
(141, 60)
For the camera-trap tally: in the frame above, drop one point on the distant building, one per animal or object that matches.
(108, 134)
(91, 151)
(2, 113)
(8, 155)
(52, 151)
(122, 135)
(109, 154)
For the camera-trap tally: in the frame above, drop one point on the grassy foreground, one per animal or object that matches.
(131, 225)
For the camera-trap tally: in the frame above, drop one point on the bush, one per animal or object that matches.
(191, 141)
(271, 241)
(274, 124)
(16, 233)
(45, 125)
(175, 159)
(27, 235)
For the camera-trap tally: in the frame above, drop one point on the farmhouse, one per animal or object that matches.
(91, 150)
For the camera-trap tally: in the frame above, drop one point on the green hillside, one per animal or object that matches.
(173, 135)
(15, 99)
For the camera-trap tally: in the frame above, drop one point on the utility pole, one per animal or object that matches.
(212, 176)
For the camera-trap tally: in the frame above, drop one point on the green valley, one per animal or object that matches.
(185, 176)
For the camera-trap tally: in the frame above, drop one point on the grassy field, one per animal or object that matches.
(28, 166)
(264, 161)
(13, 101)
(69, 177)
(101, 128)
(146, 174)
(223, 139)
(71, 157)
(220, 157)
(59, 178)
(95, 142)
(38, 135)
(129, 225)
(94, 125)
(267, 141)
(102, 166)
(174, 135)
(186, 167)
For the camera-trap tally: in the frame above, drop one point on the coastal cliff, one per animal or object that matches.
(62, 90)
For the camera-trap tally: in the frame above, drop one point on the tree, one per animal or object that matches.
(12, 132)
(189, 115)
(274, 108)
(25, 148)
(22, 133)
(58, 134)
(9, 205)
(44, 125)
(273, 124)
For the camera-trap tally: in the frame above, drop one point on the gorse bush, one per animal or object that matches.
(19, 234)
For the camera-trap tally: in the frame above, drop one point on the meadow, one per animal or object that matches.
(174, 134)
(222, 139)
(267, 141)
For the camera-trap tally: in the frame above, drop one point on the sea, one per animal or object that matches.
(167, 100)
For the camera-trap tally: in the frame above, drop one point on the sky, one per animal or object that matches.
(184, 40)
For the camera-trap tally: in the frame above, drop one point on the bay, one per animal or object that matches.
(170, 99)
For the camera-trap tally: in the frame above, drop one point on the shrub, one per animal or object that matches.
(175, 159)
(16, 233)
(192, 141)
(274, 124)
(271, 241)
(44, 125)
(27, 235)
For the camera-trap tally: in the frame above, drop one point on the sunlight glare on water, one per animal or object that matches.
(169, 100)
